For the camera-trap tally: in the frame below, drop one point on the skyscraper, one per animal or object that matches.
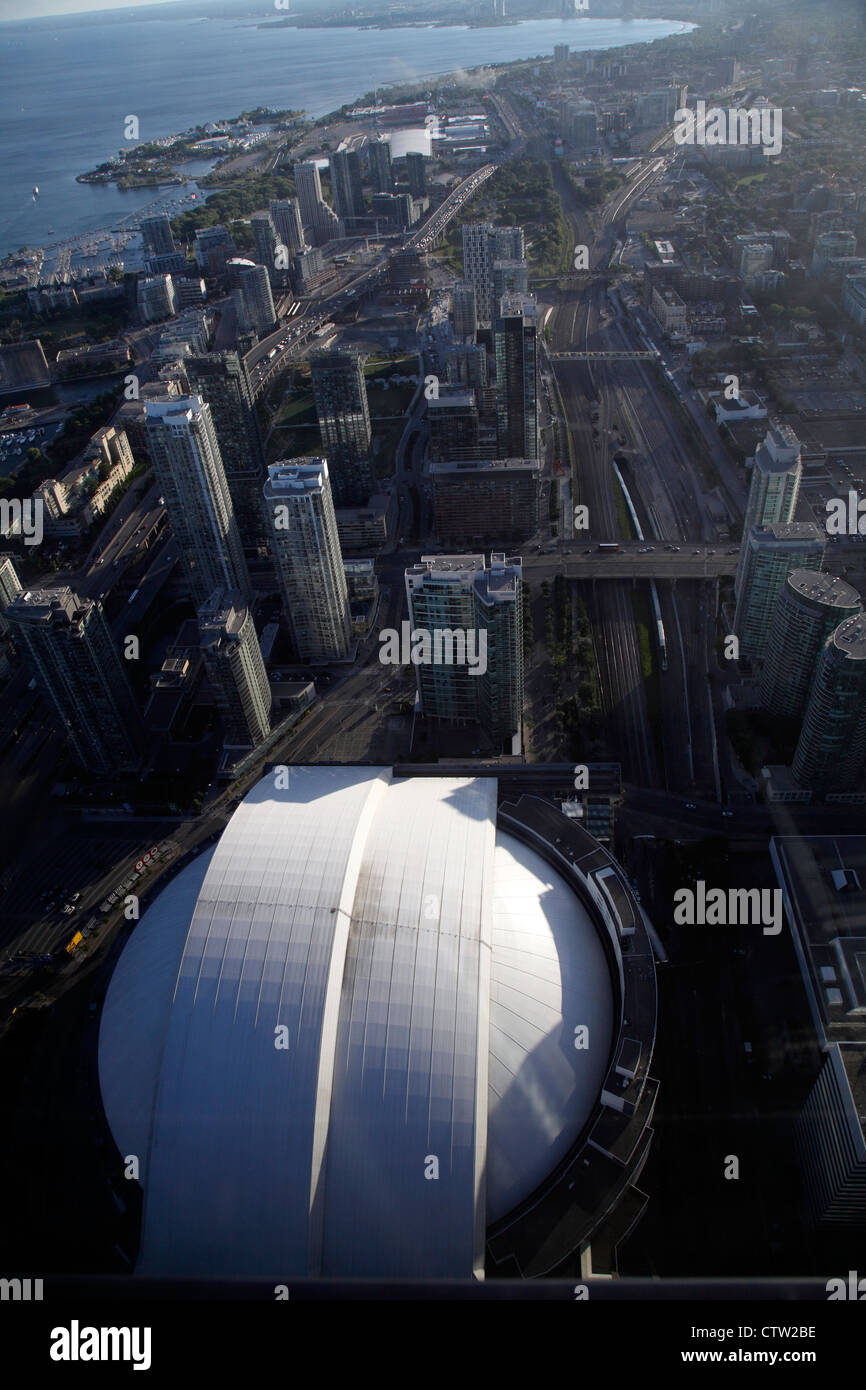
(346, 184)
(467, 363)
(340, 393)
(831, 751)
(775, 486)
(483, 245)
(769, 554)
(255, 286)
(188, 464)
(308, 559)
(264, 239)
(416, 172)
(509, 277)
(221, 379)
(454, 427)
(483, 498)
(323, 223)
(381, 173)
(235, 669)
(810, 606)
(458, 595)
(69, 647)
(156, 236)
(464, 311)
(516, 358)
(286, 217)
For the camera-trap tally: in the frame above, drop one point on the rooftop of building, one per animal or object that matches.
(515, 304)
(289, 477)
(174, 408)
(849, 640)
(825, 589)
(453, 399)
(823, 879)
(485, 1032)
(790, 531)
(41, 605)
(223, 615)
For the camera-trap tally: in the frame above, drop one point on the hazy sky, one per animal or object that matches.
(32, 9)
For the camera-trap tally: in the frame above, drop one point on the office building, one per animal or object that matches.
(483, 245)
(580, 124)
(659, 108)
(213, 247)
(854, 298)
(340, 393)
(459, 594)
(156, 298)
(399, 211)
(515, 342)
(67, 644)
(221, 379)
(156, 237)
(286, 217)
(190, 292)
(831, 246)
(831, 752)
(308, 559)
(560, 55)
(346, 187)
(484, 498)
(466, 364)
(509, 277)
(809, 608)
(10, 588)
(318, 219)
(309, 269)
(381, 172)
(777, 471)
(188, 465)
(235, 669)
(823, 883)
(769, 554)
(416, 172)
(258, 301)
(464, 312)
(265, 241)
(453, 420)
(367, 528)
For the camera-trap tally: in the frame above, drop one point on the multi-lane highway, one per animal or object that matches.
(296, 333)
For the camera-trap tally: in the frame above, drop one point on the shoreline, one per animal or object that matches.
(438, 75)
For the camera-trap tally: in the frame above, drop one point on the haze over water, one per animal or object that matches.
(69, 84)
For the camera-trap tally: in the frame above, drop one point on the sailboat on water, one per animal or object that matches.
(36, 190)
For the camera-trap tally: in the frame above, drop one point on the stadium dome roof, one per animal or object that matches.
(428, 971)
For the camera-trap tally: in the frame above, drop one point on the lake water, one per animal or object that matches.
(68, 87)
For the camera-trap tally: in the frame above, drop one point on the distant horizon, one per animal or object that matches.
(48, 9)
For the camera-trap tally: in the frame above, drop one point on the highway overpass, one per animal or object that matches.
(690, 562)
